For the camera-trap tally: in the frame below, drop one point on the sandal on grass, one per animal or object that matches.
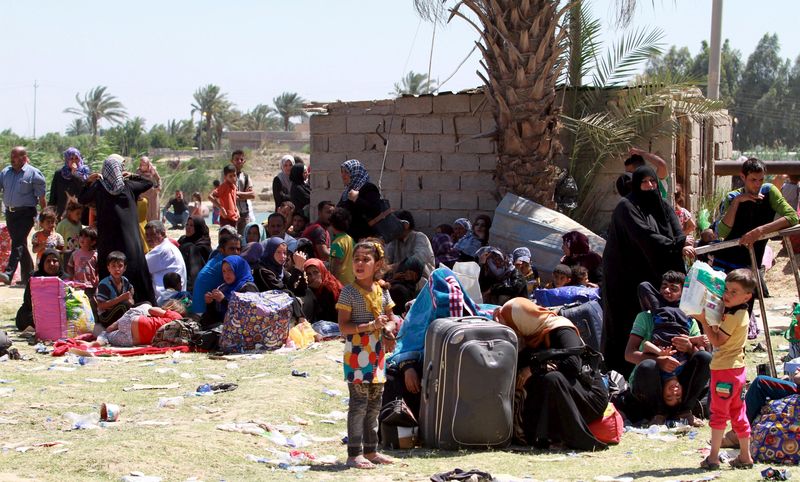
(738, 464)
(707, 465)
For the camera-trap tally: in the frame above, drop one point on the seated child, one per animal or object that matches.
(115, 292)
(562, 276)
(46, 237)
(669, 321)
(522, 261)
(580, 277)
(139, 325)
(172, 289)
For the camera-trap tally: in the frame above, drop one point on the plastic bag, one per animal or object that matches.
(302, 334)
(79, 312)
(467, 274)
(702, 293)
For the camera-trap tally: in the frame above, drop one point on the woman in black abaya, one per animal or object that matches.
(645, 240)
(115, 198)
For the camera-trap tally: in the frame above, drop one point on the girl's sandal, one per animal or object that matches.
(738, 464)
(707, 465)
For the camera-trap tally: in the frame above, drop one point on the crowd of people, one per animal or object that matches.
(104, 231)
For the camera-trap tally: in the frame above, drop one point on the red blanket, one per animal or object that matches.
(61, 347)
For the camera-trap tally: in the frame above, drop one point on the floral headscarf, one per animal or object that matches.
(82, 171)
(112, 174)
(358, 176)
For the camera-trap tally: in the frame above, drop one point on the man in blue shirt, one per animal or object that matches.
(23, 187)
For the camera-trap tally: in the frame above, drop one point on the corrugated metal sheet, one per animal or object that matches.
(520, 222)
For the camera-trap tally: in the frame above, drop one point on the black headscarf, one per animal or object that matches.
(296, 174)
(40, 267)
(650, 202)
(200, 236)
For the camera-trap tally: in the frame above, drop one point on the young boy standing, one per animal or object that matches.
(225, 196)
(728, 369)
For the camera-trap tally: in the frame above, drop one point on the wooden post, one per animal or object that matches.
(754, 267)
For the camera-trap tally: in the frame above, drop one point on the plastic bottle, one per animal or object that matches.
(171, 402)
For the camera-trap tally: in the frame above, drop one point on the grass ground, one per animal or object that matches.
(183, 442)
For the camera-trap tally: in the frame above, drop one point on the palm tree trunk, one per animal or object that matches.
(522, 47)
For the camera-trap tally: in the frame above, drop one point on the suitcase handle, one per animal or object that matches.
(426, 377)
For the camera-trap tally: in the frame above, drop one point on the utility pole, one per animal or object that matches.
(35, 87)
(714, 52)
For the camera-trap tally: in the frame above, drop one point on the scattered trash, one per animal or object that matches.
(331, 416)
(775, 474)
(187, 375)
(42, 349)
(138, 386)
(300, 421)
(109, 412)
(154, 423)
(88, 421)
(7, 421)
(458, 474)
(664, 433)
(97, 380)
(278, 463)
(62, 368)
(251, 428)
(232, 366)
(6, 391)
(171, 402)
(331, 393)
(257, 375)
(759, 347)
(212, 376)
(166, 370)
(3, 381)
(139, 477)
(335, 359)
(216, 388)
(298, 373)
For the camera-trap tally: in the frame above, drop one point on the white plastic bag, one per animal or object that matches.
(468, 273)
(702, 293)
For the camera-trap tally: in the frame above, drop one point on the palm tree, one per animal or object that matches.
(414, 84)
(211, 103)
(78, 127)
(522, 43)
(288, 105)
(262, 118)
(97, 105)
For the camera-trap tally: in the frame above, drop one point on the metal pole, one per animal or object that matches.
(35, 87)
(787, 244)
(763, 310)
(714, 52)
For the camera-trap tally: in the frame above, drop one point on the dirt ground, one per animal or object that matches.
(38, 442)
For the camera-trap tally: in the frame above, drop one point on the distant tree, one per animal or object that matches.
(730, 71)
(97, 105)
(288, 105)
(181, 131)
(762, 71)
(130, 138)
(676, 61)
(78, 127)
(212, 104)
(262, 118)
(414, 84)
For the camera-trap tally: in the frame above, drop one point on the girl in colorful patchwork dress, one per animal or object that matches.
(366, 321)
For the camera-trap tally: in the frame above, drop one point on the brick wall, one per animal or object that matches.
(438, 171)
(433, 168)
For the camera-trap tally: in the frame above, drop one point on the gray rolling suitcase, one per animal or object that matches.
(469, 373)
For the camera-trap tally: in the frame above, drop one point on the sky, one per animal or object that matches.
(153, 55)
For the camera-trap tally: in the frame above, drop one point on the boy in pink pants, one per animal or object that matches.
(728, 369)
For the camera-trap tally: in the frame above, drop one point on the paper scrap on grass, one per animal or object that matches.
(138, 386)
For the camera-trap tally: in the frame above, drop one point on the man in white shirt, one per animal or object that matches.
(164, 257)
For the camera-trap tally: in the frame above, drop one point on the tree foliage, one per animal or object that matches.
(213, 105)
(414, 84)
(288, 105)
(97, 105)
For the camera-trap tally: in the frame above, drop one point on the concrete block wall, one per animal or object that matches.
(433, 167)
